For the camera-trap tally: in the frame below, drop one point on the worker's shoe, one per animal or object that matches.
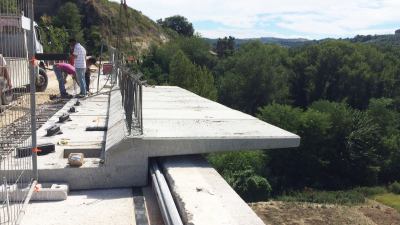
(81, 96)
(66, 96)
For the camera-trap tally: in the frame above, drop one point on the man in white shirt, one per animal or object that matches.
(80, 64)
(4, 76)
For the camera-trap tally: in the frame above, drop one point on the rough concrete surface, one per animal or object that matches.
(176, 122)
(203, 196)
(94, 207)
(43, 192)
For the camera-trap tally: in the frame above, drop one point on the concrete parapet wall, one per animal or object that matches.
(117, 130)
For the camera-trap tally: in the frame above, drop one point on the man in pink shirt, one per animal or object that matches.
(59, 68)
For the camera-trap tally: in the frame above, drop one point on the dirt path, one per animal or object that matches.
(292, 213)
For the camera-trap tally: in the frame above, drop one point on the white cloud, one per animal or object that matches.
(307, 18)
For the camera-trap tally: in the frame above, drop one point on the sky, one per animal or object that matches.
(312, 19)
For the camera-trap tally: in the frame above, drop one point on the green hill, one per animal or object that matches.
(387, 39)
(105, 15)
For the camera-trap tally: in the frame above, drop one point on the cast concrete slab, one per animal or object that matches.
(173, 112)
(203, 196)
(91, 112)
(100, 207)
(179, 122)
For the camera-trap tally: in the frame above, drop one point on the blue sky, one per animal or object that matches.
(313, 19)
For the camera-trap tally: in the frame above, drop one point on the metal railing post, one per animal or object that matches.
(32, 94)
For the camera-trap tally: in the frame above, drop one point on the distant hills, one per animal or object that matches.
(295, 42)
(387, 39)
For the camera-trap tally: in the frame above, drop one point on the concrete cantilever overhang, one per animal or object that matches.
(178, 122)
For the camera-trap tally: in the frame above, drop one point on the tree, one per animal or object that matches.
(69, 17)
(55, 39)
(243, 171)
(256, 75)
(94, 40)
(225, 47)
(397, 31)
(182, 71)
(205, 83)
(192, 77)
(179, 24)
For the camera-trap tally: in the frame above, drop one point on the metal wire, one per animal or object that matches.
(17, 123)
(131, 87)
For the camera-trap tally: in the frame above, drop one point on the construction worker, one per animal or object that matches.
(89, 62)
(80, 65)
(59, 68)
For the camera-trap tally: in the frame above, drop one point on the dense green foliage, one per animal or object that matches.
(54, 39)
(56, 31)
(178, 24)
(342, 98)
(225, 47)
(254, 76)
(243, 171)
(184, 63)
(341, 147)
(69, 18)
(395, 188)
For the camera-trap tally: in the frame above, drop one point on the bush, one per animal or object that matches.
(249, 186)
(230, 162)
(395, 188)
(325, 197)
(370, 191)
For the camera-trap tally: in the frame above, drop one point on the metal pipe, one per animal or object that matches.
(166, 196)
(32, 94)
(156, 188)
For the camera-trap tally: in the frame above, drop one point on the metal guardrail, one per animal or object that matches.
(131, 87)
(18, 170)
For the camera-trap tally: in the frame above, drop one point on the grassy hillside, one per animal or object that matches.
(136, 27)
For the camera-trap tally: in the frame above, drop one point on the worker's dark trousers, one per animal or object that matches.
(87, 79)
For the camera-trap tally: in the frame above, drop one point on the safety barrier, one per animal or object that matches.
(18, 168)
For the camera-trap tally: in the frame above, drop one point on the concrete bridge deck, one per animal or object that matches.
(176, 122)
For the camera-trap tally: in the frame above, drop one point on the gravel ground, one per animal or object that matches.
(295, 213)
